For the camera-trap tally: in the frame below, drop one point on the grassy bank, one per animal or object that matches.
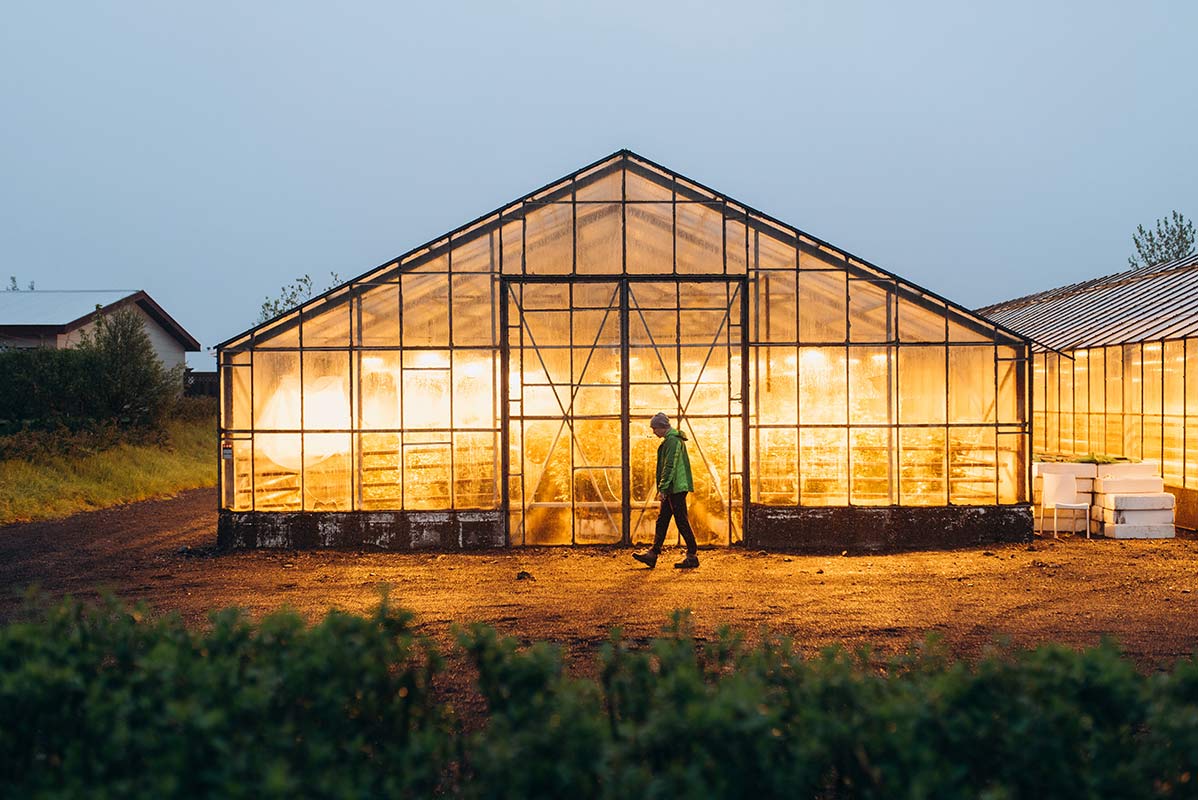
(50, 485)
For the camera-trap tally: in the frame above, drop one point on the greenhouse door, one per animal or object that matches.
(587, 361)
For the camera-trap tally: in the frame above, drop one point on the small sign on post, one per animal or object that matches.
(226, 451)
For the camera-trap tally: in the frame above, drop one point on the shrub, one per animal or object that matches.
(112, 377)
(103, 701)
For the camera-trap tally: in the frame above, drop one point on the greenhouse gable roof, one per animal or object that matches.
(1142, 304)
(589, 179)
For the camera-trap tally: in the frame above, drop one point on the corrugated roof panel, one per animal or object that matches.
(1141, 304)
(55, 307)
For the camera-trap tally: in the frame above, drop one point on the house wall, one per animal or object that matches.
(168, 349)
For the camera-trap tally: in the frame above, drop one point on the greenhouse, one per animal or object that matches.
(493, 387)
(1118, 374)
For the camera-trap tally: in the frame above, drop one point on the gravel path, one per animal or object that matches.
(1074, 591)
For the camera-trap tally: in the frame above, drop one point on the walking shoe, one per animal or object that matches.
(690, 562)
(649, 559)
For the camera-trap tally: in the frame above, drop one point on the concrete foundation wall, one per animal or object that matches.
(359, 530)
(885, 528)
(816, 530)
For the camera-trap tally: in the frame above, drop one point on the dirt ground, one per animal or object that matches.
(1073, 591)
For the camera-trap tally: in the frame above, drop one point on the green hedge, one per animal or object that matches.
(102, 701)
(112, 376)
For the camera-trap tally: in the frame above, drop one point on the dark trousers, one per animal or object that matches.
(674, 506)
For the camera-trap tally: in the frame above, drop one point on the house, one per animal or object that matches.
(1116, 370)
(58, 319)
(493, 387)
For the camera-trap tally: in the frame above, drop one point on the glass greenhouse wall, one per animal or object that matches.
(1137, 401)
(501, 380)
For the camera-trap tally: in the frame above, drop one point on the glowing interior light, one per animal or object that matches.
(326, 406)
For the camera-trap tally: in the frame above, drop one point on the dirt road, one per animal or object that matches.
(1075, 591)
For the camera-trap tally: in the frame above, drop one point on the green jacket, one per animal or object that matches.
(673, 465)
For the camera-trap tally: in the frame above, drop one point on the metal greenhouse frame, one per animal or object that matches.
(492, 387)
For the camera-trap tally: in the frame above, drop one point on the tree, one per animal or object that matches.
(13, 286)
(1173, 238)
(292, 295)
(130, 385)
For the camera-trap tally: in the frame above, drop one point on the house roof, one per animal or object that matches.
(61, 311)
(652, 171)
(1137, 305)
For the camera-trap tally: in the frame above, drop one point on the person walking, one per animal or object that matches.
(674, 480)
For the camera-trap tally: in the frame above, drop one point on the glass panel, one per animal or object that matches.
(971, 461)
(237, 480)
(512, 247)
(776, 312)
(378, 382)
(734, 247)
(549, 239)
(921, 467)
(600, 239)
(777, 395)
(327, 472)
(425, 310)
(700, 242)
(771, 253)
(638, 188)
(276, 391)
(426, 471)
(1039, 424)
(1065, 403)
(871, 312)
(327, 325)
(922, 322)
(548, 483)
(1011, 471)
(823, 467)
(823, 386)
(235, 397)
(708, 450)
(822, 307)
(870, 458)
(775, 466)
(426, 398)
(277, 459)
(650, 238)
(378, 312)
(1191, 413)
(1081, 402)
(474, 316)
(473, 389)
(871, 386)
(1174, 375)
(922, 385)
(474, 468)
(609, 187)
(284, 333)
(326, 390)
(971, 383)
(959, 331)
(478, 255)
(380, 472)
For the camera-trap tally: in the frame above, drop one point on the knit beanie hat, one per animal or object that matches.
(660, 420)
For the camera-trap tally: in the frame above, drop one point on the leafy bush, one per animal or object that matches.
(112, 377)
(104, 702)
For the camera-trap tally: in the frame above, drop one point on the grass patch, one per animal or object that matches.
(49, 485)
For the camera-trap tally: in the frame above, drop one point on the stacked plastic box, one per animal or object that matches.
(1130, 502)
(1127, 501)
(1067, 521)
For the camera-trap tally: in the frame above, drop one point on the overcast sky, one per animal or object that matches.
(211, 152)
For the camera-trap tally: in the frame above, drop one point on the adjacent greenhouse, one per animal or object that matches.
(1118, 374)
(494, 387)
